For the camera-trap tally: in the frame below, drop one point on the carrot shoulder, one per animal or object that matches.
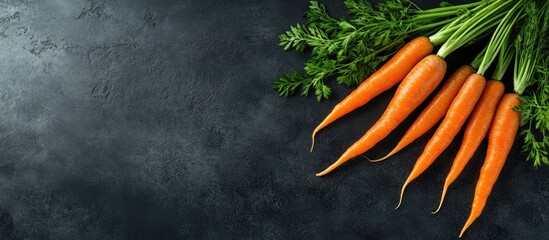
(416, 87)
(458, 112)
(383, 79)
(435, 110)
(477, 127)
(500, 140)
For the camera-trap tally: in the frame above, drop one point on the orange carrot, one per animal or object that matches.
(416, 86)
(500, 140)
(435, 110)
(386, 77)
(477, 127)
(458, 112)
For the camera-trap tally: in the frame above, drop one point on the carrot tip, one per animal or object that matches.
(313, 141)
(329, 169)
(379, 159)
(367, 158)
(320, 174)
(470, 220)
(441, 200)
(395, 150)
(402, 192)
(334, 165)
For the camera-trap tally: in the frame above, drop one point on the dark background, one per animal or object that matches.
(157, 120)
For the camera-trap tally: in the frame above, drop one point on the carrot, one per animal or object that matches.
(500, 140)
(416, 86)
(434, 111)
(458, 112)
(477, 127)
(383, 79)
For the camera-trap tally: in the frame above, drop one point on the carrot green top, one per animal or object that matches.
(474, 27)
(531, 80)
(353, 48)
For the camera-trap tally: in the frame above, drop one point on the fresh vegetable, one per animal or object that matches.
(434, 111)
(476, 129)
(470, 92)
(386, 77)
(458, 112)
(529, 70)
(481, 117)
(415, 87)
(500, 140)
(352, 49)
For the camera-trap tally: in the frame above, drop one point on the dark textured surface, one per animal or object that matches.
(156, 120)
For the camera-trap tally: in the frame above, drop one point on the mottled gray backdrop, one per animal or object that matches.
(144, 119)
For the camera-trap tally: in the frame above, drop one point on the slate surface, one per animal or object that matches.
(157, 120)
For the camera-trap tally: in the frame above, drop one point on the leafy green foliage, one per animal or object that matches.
(318, 17)
(535, 108)
(302, 36)
(351, 49)
(288, 83)
(527, 47)
(535, 118)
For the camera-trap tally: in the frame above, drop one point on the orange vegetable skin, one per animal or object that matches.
(434, 111)
(476, 130)
(414, 89)
(383, 79)
(457, 114)
(500, 140)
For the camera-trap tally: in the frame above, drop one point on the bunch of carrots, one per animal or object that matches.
(516, 31)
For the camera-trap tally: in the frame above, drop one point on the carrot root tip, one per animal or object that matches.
(395, 150)
(326, 171)
(470, 220)
(441, 199)
(402, 194)
(379, 159)
(367, 158)
(399, 202)
(313, 141)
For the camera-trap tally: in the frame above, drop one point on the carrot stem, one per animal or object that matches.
(500, 36)
(454, 9)
(476, 25)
